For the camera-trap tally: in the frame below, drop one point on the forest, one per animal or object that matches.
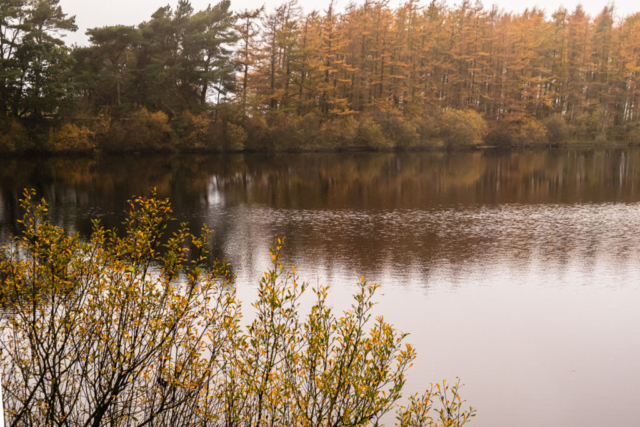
(369, 76)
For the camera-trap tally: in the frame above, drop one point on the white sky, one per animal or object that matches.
(99, 13)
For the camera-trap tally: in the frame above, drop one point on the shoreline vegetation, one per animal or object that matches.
(427, 76)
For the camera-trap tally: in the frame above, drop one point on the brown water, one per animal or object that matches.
(518, 272)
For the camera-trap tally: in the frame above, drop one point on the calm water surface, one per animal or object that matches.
(518, 272)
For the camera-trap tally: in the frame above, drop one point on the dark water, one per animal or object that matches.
(518, 272)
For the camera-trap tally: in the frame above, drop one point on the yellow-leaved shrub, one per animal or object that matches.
(558, 131)
(462, 128)
(371, 135)
(144, 329)
(338, 133)
(71, 137)
(196, 132)
(531, 132)
(236, 136)
(142, 130)
(13, 137)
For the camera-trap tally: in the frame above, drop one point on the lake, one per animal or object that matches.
(518, 272)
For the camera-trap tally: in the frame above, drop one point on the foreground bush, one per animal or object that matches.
(134, 330)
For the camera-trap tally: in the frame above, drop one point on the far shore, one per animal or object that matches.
(153, 152)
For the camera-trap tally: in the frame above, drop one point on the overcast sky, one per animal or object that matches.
(98, 13)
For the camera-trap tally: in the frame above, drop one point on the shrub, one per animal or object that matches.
(310, 128)
(339, 133)
(143, 130)
(13, 137)
(148, 130)
(406, 135)
(200, 132)
(520, 132)
(462, 128)
(283, 131)
(501, 134)
(601, 138)
(633, 135)
(257, 132)
(428, 129)
(595, 126)
(401, 133)
(136, 330)
(195, 131)
(557, 129)
(71, 137)
(530, 132)
(235, 137)
(370, 135)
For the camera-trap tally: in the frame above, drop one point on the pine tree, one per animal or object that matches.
(246, 56)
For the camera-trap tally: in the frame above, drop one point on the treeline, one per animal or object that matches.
(420, 75)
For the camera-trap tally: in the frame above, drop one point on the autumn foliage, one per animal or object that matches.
(138, 329)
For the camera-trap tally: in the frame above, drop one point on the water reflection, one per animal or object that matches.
(525, 262)
(368, 211)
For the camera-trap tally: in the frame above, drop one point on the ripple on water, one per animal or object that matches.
(592, 244)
